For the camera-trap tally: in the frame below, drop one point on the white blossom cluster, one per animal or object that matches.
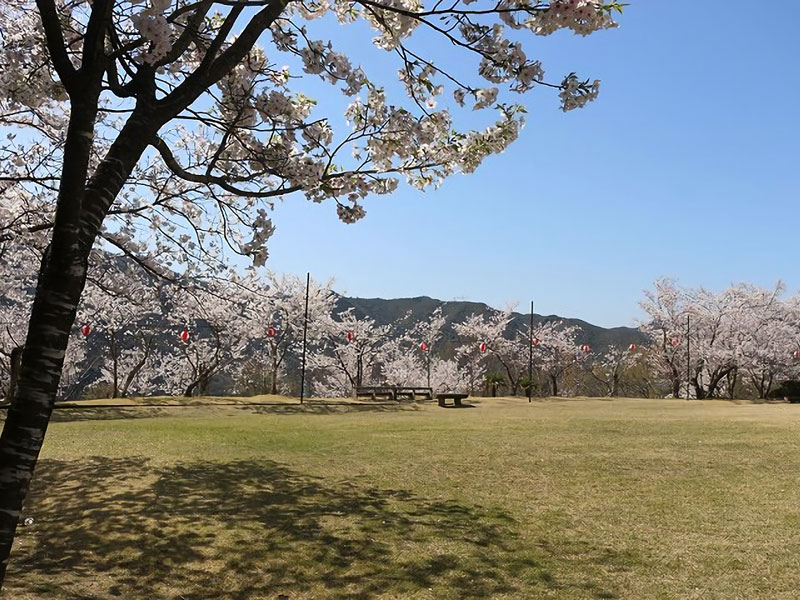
(152, 25)
(26, 75)
(581, 16)
(394, 26)
(575, 93)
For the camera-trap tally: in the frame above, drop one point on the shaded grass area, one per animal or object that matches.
(97, 412)
(562, 499)
(257, 529)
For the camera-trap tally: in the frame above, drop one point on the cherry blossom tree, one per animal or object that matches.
(556, 351)
(416, 347)
(210, 332)
(768, 336)
(492, 330)
(472, 363)
(609, 369)
(166, 124)
(116, 306)
(275, 311)
(402, 366)
(665, 306)
(406, 363)
(348, 353)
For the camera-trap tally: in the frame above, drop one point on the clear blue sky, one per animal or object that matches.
(687, 165)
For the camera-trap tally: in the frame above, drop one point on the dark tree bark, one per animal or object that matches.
(115, 365)
(274, 384)
(676, 383)
(15, 362)
(148, 349)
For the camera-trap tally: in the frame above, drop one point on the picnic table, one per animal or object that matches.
(456, 398)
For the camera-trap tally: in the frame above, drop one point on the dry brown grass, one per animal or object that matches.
(558, 498)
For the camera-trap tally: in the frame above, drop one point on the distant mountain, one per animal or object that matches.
(403, 313)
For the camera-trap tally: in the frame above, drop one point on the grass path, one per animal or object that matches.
(554, 499)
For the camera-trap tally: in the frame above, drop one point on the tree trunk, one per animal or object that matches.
(614, 386)
(62, 277)
(190, 389)
(148, 346)
(61, 282)
(733, 376)
(115, 365)
(15, 361)
(274, 385)
(676, 383)
(554, 383)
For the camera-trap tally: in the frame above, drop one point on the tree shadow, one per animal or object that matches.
(124, 528)
(113, 412)
(62, 414)
(344, 407)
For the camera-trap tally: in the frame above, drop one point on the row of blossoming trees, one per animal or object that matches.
(141, 334)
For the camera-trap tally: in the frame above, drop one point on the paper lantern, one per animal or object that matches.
(271, 332)
(536, 341)
(184, 336)
(632, 348)
(423, 346)
(675, 342)
(86, 330)
(586, 349)
(350, 336)
(482, 347)
(796, 354)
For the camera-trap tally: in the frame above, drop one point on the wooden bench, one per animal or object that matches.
(456, 398)
(413, 392)
(375, 391)
(392, 392)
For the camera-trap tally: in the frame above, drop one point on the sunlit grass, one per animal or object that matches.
(557, 498)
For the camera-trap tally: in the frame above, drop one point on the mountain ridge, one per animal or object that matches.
(396, 311)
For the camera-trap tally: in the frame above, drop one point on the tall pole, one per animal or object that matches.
(305, 331)
(530, 356)
(688, 362)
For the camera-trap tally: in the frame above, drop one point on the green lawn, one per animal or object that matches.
(558, 498)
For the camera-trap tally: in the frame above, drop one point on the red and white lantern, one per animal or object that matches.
(796, 354)
(350, 336)
(423, 346)
(675, 342)
(271, 332)
(536, 341)
(586, 348)
(482, 347)
(632, 348)
(184, 336)
(86, 330)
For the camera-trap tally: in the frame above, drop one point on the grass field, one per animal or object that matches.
(554, 499)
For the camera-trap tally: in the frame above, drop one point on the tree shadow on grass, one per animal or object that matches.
(123, 528)
(109, 413)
